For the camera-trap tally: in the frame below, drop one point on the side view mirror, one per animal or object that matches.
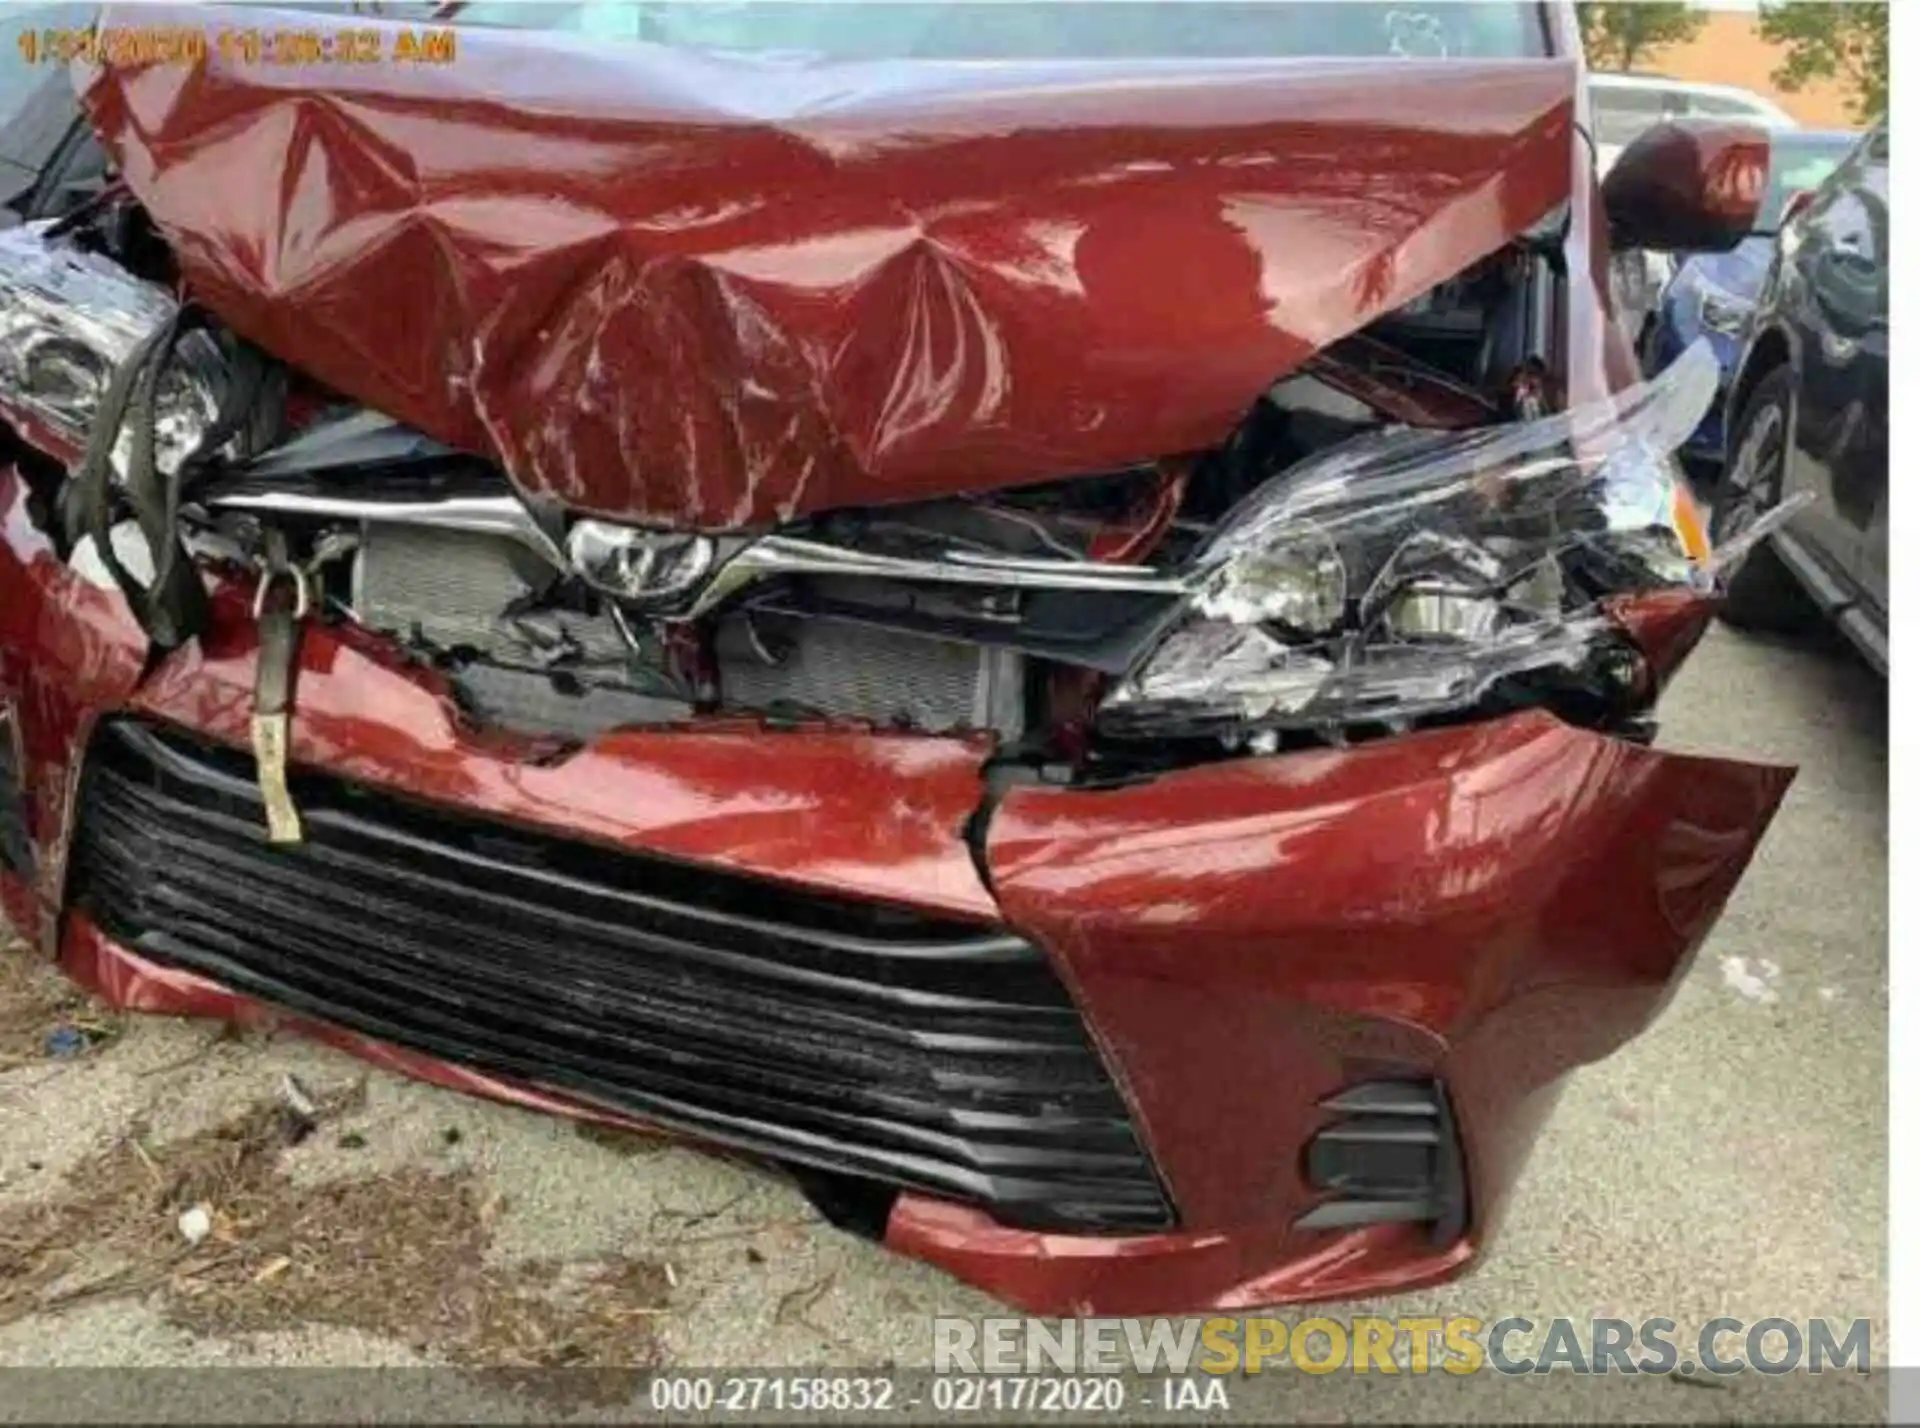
(1687, 185)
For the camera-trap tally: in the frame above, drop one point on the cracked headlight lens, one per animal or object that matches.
(1407, 572)
(1299, 583)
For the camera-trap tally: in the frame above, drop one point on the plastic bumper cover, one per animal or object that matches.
(1487, 907)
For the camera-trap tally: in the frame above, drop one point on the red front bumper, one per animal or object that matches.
(1491, 906)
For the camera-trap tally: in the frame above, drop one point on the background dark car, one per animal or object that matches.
(1808, 413)
(1712, 295)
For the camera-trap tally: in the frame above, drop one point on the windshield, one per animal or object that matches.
(1799, 162)
(1078, 29)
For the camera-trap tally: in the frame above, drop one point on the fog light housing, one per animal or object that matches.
(1390, 1154)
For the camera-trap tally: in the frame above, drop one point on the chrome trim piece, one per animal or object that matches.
(777, 555)
(502, 516)
(764, 559)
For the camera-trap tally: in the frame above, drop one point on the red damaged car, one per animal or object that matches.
(1046, 616)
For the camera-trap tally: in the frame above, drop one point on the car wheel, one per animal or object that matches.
(1761, 593)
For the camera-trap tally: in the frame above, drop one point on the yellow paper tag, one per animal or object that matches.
(270, 754)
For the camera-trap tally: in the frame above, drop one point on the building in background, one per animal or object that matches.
(1729, 50)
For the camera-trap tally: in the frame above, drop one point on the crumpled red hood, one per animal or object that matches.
(711, 291)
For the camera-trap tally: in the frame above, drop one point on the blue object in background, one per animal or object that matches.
(1712, 295)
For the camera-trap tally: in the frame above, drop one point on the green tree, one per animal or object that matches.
(1619, 32)
(1824, 40)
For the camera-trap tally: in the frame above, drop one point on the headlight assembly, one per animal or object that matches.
(1407, 572)
(70, 319)
(186, 406)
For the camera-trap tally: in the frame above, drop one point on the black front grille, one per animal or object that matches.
(16, 848)
(836, 1034)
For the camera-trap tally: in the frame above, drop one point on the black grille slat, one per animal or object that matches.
(429, 1031)
(833, 1033)
(692, 1051)
(16, 848)
(1042, 1029)
(686, 890)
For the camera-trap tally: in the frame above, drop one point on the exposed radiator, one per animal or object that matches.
(455, 590)
(863, 672)
(552, 672)
(458, 591)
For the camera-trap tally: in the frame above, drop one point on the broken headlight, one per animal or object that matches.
(70, 319)
(1407, 572)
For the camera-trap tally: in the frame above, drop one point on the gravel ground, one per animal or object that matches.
(1732, 1161)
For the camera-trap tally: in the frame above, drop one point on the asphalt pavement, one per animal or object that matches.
(1733, 1161)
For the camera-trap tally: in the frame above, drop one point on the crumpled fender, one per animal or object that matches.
(1493, 905)
(1497, 903)
(707, 291)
